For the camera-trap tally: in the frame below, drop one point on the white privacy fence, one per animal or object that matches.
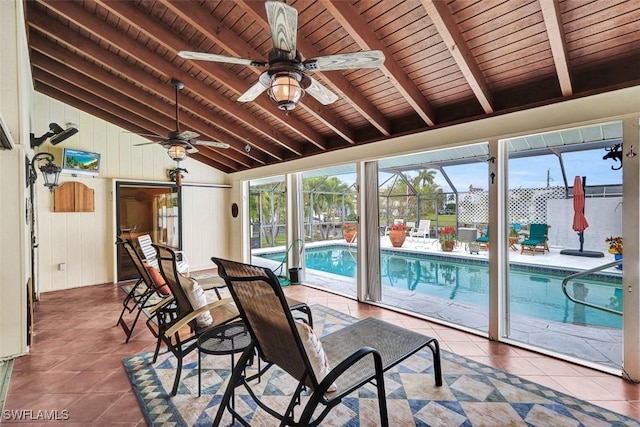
(549, 206)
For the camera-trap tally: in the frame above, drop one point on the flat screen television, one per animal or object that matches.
(78, 162)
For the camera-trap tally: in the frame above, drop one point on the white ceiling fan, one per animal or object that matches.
(285, 78)
(178, 143)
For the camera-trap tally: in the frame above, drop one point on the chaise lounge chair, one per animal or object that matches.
(146, 246)
(423, 230)
(537, 240)
(358, 354)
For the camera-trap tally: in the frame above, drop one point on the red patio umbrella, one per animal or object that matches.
(579, 220)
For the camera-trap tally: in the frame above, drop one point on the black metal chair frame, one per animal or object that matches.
(172, 322)
(357, 350)
(140, 294)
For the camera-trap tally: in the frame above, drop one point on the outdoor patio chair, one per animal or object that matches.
(423, 230)
(537, 239)
(146, 246)
(144, 294)
(193, 314)
(483, 240)
(358, 354)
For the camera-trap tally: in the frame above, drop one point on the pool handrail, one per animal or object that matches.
(566, 280)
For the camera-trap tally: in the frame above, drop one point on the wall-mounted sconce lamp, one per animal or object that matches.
(55, 135)
(50, 172)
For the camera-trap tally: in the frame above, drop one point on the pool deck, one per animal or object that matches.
(600, 347)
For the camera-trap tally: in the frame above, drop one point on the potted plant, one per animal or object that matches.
(349, 230)
(397, 234)
(615, 248)
(447, 238)
(615, 244)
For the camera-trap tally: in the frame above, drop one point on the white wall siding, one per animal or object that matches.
(207, 205)
(15, 86)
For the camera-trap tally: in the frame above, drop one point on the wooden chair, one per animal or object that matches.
(359, 353)
(483, 240)
(537, 239)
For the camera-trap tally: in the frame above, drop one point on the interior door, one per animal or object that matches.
(153, 209)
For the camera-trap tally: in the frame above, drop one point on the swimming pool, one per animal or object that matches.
(533, 291)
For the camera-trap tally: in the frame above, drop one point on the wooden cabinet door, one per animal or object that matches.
(73, 197)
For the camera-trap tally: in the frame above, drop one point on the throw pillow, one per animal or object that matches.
(158, 280)
(198, 299)
(315, 352)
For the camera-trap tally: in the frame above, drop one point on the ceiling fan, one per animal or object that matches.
(285, 78)
(178, 143)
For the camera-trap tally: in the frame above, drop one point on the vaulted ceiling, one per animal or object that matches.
(446, 62)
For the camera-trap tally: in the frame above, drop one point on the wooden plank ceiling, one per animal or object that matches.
(446, 62)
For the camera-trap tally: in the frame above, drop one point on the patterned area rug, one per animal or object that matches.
(473, 394)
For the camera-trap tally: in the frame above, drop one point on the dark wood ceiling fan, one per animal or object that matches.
(286, 79)
(179, 143)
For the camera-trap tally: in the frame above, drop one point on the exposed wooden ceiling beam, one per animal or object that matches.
(134, 49)
(446, 26)
(344, 13)
(553, 23)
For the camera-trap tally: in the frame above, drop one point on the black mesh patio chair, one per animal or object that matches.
(181, 332)
(358, 354)
(144, 294)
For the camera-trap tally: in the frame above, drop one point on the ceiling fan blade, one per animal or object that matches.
(252, 93)
(186, 135)
(146, 135)
(215, 144)
(283, 21)
(202, 56)
(148, 143)
(345, 61)
(321, 93)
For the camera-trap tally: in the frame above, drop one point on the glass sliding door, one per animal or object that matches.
(329, 200)
(268, 226)
(557, 180)
(331, 229)
(437, 202)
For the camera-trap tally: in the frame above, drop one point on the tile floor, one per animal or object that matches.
(74, 369)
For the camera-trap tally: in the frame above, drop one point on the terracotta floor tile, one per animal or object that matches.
(124, 410)
(91, 406)
(76, 358)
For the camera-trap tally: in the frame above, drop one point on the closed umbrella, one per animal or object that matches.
(579, 221)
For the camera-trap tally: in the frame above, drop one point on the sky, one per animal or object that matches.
(534, 172)
(529, 172)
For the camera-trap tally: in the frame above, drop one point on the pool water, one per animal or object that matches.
(535, 293)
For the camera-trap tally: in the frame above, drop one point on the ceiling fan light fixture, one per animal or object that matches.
(177, 152)
(285, 90)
